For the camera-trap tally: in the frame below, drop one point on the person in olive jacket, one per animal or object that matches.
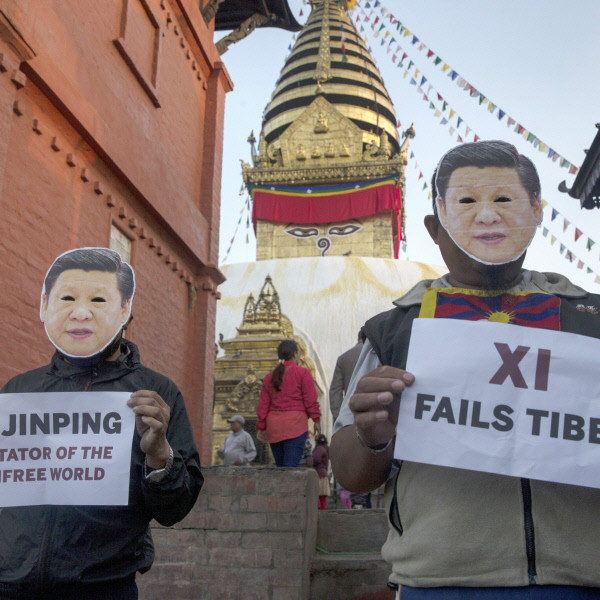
(454, 533)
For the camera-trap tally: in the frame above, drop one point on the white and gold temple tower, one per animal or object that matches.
(327, 179)
(327, 184)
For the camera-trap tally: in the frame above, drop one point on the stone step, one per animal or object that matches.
(352, 530)
(349, 576)
(347, 564)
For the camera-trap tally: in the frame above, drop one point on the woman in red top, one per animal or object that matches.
(287, 398)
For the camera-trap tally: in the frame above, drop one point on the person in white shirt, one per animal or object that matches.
(239, 448)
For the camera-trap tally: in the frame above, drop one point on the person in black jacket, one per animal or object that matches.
(94, 552)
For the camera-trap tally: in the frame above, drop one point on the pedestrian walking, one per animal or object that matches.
(287, 399)
(239, 448)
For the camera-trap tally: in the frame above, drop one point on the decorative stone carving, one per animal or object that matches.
(317, 174)
(210, 10)
(249, 308)
(321, 124)
(371, 151)
(245, 29)
(385, 149)
(245, 395)
(323, 70)
(263, 158)
(300, 153)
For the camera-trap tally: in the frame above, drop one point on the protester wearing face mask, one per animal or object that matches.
(94, 552)
(457, 533)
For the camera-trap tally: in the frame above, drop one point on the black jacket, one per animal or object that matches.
(41, 545)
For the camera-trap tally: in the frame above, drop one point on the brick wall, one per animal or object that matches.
(112, 113)
(251, 535)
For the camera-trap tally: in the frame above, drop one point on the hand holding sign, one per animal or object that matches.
(65, 448)
(502, 399)
(152, 416)
(376, 401)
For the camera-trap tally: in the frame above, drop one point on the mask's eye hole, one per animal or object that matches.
(303, 232)
(68, 298)
(466, 200)
(343, 229)
(98, 299)
(503, 199)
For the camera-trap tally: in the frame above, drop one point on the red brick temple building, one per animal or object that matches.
(111, 134)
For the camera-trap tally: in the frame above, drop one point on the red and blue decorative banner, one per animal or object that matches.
(329, 203)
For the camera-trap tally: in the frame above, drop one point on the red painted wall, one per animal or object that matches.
(112, 112)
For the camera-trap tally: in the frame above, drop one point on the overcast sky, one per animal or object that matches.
(535, 61)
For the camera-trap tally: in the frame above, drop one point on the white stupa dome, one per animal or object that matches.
(327, 300)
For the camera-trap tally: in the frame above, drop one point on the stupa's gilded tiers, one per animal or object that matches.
(330, 59)
(330, 123)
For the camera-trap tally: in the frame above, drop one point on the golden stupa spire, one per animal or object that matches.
(330, 52)
(330, 121)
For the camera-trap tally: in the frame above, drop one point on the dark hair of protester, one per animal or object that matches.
(491, 153)
(321, 439)
(285, 351)
(93, 259)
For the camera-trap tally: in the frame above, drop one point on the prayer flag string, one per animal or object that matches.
(401, 31)
(245, 209)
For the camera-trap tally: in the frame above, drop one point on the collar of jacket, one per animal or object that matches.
(550, 283)
(103, 371)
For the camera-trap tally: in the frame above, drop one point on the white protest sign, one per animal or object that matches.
(504, 399)
(65, 448)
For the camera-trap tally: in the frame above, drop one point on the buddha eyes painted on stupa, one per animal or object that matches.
(324, 232)
(338, 230)
(302, 232)
(348, 229)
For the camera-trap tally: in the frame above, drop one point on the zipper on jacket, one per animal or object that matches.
(529, 532)
(88, 383)
(394, 513)
(44, 557)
